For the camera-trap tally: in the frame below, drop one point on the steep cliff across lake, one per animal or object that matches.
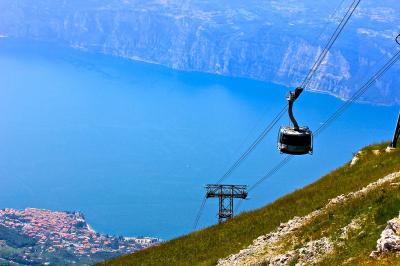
(271, 41)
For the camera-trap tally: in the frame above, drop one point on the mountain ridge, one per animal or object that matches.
(263, 41)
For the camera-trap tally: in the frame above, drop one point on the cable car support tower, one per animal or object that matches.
(396, 135)
(226, 194)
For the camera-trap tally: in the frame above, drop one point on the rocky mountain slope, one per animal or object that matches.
(341, 218)
(292, 244)
(263, 40)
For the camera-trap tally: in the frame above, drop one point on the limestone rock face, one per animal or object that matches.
(310, 253)
(390, 238)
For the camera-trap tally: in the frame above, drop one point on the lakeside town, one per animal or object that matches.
(68, 231)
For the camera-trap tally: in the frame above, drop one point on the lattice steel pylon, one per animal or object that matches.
(396, 133)
(225, 195)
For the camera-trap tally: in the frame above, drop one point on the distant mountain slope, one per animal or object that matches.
(368, 213)
(264, 40)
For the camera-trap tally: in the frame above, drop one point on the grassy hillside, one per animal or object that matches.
(205, 247)
(371, 213)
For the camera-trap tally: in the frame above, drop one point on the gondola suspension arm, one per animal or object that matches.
(291, 99)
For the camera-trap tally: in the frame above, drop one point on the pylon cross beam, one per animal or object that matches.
(226, 194)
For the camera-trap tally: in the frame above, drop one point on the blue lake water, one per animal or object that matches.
(132, 145)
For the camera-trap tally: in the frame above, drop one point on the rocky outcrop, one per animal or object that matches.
(354, 225)
(356, 158)
(311, 253)
(343, 198)
(389, 240)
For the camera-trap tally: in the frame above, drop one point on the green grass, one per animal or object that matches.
(376, 208)
(205, 247)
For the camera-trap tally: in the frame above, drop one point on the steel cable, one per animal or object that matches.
(330, 43)
(335, 115)
(276, 119)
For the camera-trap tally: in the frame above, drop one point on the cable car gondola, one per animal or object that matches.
(295, 140)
